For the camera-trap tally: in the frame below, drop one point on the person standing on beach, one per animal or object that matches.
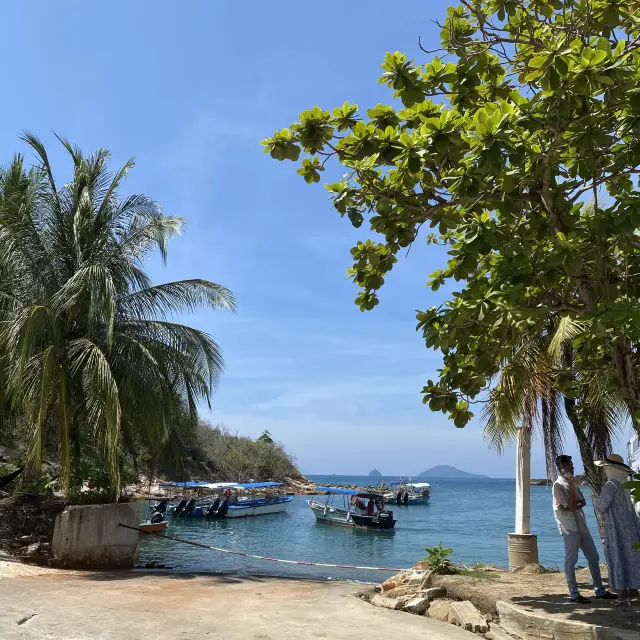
(568, 502)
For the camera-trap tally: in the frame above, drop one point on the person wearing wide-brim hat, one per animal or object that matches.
(621, 525)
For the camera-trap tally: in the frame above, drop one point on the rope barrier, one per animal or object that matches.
(251, 555)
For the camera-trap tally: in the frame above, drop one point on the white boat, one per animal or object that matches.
(408, 493)
(361, 510)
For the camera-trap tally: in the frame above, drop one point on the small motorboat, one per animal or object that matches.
(408, 493)
(359, 509)
(155, 518)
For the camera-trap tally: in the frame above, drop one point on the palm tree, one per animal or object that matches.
(91, 354)
(537, 382)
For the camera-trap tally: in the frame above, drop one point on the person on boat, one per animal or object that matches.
(371, 507)
(568, 502)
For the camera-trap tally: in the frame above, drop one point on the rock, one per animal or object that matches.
(388, 603)
(434, 593)
(527, 625)
(441, 610)
(417, 605)
(468, 617)
(31, 550)
(427, 579)
(398, 592)
(378, 588)
(389, 584)
(414, 578)
(496, 632)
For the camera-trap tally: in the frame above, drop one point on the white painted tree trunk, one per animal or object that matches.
(523, 482)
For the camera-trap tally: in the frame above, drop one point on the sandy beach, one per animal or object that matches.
(47, 604)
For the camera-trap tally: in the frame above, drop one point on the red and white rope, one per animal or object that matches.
(255, 557)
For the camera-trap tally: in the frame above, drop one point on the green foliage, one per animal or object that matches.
(437, 560)
(265, 437)
(91, 357)
(214, 452)
(535, 111)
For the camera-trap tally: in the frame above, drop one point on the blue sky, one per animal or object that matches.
(190, 89)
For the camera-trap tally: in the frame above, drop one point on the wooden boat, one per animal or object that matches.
(358, 509)
(153, 527)
(155, 519)
(404, 492)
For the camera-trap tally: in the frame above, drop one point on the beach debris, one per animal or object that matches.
(434, 593)
(427, 579)
(390, 584)
(441, 610)
(496, 632)
(468, 617)
(402, 590)
(388, 603)
(417, 606)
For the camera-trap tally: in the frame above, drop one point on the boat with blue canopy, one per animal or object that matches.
(358, 509)
(230, 500)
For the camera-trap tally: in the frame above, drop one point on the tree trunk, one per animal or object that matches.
(592, 474)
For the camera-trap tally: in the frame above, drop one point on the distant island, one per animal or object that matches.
(375, 474)
(445, 471)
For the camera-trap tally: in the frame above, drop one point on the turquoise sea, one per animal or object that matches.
(471, 516)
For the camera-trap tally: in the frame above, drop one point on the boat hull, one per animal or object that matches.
(239, 510)
(153, 527)
(242, 511)
(330, 515)
(341, 518)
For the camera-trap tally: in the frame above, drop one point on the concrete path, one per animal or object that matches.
(133, 606)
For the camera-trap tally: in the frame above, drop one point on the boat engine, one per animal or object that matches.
(212, 510)
(191, 505)
(157, 516)
(223, 508)
(405, 498)
(180, 508)
(399, 498)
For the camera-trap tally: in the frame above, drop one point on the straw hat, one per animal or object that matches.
(613, 460)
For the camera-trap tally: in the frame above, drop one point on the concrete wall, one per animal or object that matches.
(88, 537)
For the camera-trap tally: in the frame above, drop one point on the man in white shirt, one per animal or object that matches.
(568, 502)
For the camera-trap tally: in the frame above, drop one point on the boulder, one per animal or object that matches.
(403, 590)
(389, 584)
(417, 605)
(441, 610)
(496, 632)
(31, 550)
(388, 603)
(434, 593)
(414, 578)
(468, 617)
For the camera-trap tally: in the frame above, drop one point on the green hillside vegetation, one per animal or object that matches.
(214, 453)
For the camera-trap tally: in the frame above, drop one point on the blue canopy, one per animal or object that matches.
(258, 485)
(349, 492)
(184, 483)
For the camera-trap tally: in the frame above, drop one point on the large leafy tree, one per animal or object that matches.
(533, 109)
(92, 357)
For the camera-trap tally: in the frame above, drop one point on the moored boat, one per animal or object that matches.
(359, 509)
(155, 519)
(402, 492)
(233, 503)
